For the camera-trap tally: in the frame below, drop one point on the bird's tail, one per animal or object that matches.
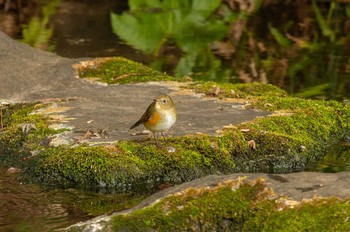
(136, 124)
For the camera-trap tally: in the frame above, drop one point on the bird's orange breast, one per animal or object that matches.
(153, 120)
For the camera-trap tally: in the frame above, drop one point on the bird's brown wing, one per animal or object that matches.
(145, 117)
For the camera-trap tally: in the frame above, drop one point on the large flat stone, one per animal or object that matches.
(43, 76)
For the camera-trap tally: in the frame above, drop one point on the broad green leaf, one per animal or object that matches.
(145, 33)
(205, 7)
(195, 37)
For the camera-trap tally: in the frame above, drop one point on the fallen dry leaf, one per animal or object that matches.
(12, 170)
(28, 127)
(88, 134)
(252, 144)
(215, 90)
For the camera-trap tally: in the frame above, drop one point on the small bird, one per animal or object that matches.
(159, 116)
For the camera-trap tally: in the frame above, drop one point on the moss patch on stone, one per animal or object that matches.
(237, 90)
(300, 130)
(235, 206)
(22, 133)
(119, 70)
(131, 165)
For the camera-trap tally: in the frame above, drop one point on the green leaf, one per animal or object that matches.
(326, 30)
(318, 90)
(185, 24)
(205, 7)
(185, 65)
(194, 37)
(176, 4)
(279, 37)
(145, 33)
(36, 33)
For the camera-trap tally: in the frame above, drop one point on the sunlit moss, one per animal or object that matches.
(330, 214)
(233, 206)
(298, 132)
(119, 70)
(238, 90)
(130, 165)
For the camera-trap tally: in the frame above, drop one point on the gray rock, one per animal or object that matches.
(83, 105)
(294, 187)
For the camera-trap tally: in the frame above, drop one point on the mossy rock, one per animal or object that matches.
(297, 134)
(22, 133)
(118, 70)
(300, 131)
(235, 205)
(132, 166)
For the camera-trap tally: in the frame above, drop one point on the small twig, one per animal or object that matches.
(127, 75)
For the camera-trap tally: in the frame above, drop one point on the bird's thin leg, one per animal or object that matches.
(162, 135)
(155, 139)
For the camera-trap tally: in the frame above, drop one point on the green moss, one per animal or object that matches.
(309, 129)
(15, 142)
(87, 166)
(127, 165)
(330, 214)
(120, 70)
(194, 210)
(237, 90)
(299, 132)
(130, 165)
(232, 207)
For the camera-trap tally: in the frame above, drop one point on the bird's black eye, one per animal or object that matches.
(164, 101)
